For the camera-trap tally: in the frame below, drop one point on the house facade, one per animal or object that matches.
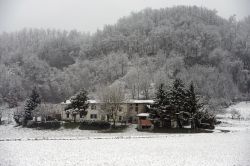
(127, 112)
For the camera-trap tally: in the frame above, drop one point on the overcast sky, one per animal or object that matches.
(89, 15)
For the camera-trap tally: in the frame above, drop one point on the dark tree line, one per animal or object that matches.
(178, 104)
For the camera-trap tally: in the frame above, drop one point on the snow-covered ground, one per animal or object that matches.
(29, 147)
(201, 149)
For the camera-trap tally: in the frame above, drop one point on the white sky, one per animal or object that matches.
(88, 15)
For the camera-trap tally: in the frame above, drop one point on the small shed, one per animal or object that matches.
(144, 122)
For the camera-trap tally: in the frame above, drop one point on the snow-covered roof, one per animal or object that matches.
(141, 101)
(90, 101)
(66, 102)
(93, 101)
(127, 101)
(143, 114)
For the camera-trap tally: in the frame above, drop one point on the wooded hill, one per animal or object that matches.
(140, 51)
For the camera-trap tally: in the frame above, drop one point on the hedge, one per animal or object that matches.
(94, 125)
(44, 125)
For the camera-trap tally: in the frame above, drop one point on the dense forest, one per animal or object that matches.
(140, 51)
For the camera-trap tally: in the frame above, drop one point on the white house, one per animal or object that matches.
(127, 113)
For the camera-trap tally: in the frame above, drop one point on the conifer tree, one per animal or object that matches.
(31, 103)
(79, 104)
(193, 105)
(159, 100)
(178, 96)
(178, 99)
(160, 108)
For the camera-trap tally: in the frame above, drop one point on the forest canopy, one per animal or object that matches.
(141, 51)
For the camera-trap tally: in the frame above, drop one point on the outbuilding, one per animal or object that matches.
(144, 122)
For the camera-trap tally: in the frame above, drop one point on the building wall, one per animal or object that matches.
(133, 109)
(127, 112)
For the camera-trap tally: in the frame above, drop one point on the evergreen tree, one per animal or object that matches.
(159, 100)
(193, 106)
(31, 103)
(178, 100)
(79, 104)
(161, 107)
(178, 96)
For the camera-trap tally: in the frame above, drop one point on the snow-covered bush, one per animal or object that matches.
(206, 119)
(235, 113)
(18, 117)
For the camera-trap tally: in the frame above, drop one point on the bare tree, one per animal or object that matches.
(131, 82)
(145, 84)
(112, 98)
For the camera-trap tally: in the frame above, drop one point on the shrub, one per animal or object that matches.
(31, 124)
(235, 114)
(18, 118)
(206, 126)
(94, 125)
(115, 129)
(4, 122)
(50, 125)
(44, 125)
(70, 125)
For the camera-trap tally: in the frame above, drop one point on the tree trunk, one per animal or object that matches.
(193, 126)
(197, 123)
(179, 123)
(113, 122)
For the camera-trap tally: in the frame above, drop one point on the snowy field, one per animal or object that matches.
(198, 149)
(28, 147)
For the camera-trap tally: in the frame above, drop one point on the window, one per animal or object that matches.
(130, 107)
(103, 117)
(136, 109)
(93, 116)
(92, 106)
(120, 109)
(67, 114)
(120, 118)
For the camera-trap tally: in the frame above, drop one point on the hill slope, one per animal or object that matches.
(141, 51)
